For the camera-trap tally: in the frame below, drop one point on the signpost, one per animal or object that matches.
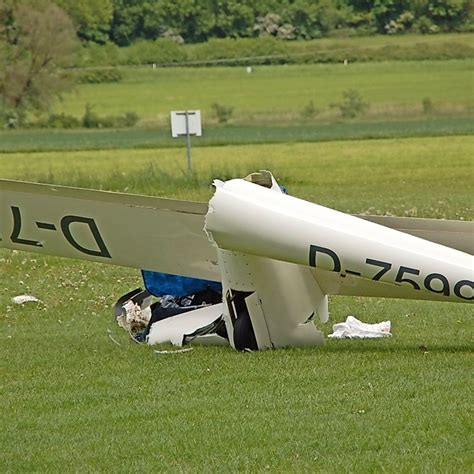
(186, 123)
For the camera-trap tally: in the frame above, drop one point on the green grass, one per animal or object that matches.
(425, 177)
(73, 400)
(44, 140)
(402, 40)
(279, 92)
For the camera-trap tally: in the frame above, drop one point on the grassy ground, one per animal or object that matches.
(280, 92)
(383, 40)
(44, 140)
(396, 176)
(73, 400)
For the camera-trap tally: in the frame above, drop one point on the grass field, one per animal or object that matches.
(279, 93)
(67, 140)
(72, 400)
(383, 40)
(395, 176)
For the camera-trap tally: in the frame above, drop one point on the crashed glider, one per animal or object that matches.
(278, 257)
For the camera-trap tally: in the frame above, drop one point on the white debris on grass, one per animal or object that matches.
(352, 328)
(21, 299)
(177, 351)
(109, 333)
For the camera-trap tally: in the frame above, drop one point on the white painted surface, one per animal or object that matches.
(178, 123)
(251, 219)
(174, 329)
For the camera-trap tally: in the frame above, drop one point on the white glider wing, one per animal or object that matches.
(458, 235)
(121, 229)
(167, 235)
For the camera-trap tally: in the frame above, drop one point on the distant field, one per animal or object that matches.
(279, 93)
(73, 400)
(382, 40)
(426, 177)
(54, 140)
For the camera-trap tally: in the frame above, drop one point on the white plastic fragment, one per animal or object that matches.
(352, 328)
(21, 299)
(175, 329)
(109, 333)
(177, 351)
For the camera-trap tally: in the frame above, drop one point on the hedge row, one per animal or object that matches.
(267, 50)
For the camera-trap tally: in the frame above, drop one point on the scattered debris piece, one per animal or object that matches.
(21, 299)
(133, 317)
(177, 351)
(352, 328)
(114, 340)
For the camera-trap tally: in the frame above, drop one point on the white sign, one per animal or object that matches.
(186, 122)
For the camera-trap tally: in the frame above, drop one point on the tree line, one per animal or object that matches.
(191, 21)
(39, 39)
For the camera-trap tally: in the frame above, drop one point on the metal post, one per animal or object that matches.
(188, 146)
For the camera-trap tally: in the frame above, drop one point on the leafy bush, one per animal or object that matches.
(425, 25)
(92, 120)
(92, 54)
(59, 121)
(427, 105)
(309, 110)
(272, 25)
(10, 119)
(162, 51)
(99, 76)
(271, 50)
(130, 119)
(266, 50)
(352, 104)
(222, 112)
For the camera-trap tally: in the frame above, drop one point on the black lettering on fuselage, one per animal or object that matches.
(314, 249)
(459, 285)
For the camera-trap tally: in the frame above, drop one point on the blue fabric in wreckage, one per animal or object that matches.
(160, 284)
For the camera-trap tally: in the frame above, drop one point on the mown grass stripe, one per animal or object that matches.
(51, 140)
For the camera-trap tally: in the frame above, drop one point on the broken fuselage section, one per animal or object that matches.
(280, 257)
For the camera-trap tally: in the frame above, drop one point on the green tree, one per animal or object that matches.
(200, 20)
(231, 19)
(90, 17)
(190, 20)
(449, 14)
(37, 40)
(127, 21)
(313, 19)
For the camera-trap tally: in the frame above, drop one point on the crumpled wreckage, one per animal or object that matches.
(173, 309)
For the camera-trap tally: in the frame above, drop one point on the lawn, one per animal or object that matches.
(395, 176)
(73, 400)
(304, 131)
(279, 93)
